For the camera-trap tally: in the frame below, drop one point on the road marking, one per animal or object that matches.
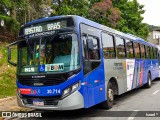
(133, 115)
(155, 92)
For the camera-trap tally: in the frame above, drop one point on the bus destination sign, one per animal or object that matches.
(41, 28)
(48, 26)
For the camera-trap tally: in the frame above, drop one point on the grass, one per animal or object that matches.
(7, 73)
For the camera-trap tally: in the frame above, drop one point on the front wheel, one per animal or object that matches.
(110, 97)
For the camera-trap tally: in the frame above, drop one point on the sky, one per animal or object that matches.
(152, 11)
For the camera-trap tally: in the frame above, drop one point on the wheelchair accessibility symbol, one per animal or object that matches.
(42, 68)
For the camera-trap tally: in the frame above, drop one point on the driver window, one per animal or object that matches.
(93, 50)
(90, 48)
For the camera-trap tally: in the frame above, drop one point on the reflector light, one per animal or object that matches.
(96, 81)
(25, 91)
(84, 83)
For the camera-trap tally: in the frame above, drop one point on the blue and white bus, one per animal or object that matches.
(69, 62)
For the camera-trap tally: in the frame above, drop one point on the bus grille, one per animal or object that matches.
(28, 100)
(41, 82)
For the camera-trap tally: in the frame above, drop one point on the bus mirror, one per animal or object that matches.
(9, 53)
(90, 44)
(12, 54)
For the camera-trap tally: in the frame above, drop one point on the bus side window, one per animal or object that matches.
(153, 56)
(142, 47)
(120, 48)
(158, 55)
(148, 52)
(129, 49)
(85, 51)
(93, 48)
(90, 48)
(137, 50)
(155, 53)
(108, 46)
(151, 52)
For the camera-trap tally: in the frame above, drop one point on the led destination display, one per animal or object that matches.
(49, 26)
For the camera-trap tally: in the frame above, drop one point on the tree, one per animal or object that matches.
(123, 15)
(11, 25)
(99, 11)
(104, 13)
(28, 10)
(131, 19)
(19, 12)
(71, 7)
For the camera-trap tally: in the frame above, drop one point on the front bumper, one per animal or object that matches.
(73, 101)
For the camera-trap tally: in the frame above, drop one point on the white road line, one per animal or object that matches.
(155, 92)
(133, 115)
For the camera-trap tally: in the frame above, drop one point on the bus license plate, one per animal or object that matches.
(38, 102)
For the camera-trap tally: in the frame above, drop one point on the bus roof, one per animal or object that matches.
(80, 19)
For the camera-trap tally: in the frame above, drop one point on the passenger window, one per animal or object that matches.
(85, 51)
(143, 55)
(108, 46)
(151, 52)
(155, 53)
(129, 48)
(120, 48)
(136, 50)
(148, 52)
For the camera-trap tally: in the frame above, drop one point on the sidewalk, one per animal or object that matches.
(10, 104)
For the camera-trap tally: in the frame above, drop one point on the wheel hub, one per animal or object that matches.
(110, 94)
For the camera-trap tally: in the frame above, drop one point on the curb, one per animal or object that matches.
(7, 98)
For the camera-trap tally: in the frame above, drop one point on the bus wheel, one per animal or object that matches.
(110, 97)
(148, 84)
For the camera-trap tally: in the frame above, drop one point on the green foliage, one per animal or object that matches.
(74, 7)
(19, 12)
(97, 10)
(152, 27)
(123, 15)
(10, 23)
(131, 19)
(103, 12)
(5, 5)
(7, 74)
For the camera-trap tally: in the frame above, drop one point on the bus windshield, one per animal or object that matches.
(49, 54)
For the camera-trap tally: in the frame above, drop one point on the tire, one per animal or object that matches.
(148, 84)
(110, 97)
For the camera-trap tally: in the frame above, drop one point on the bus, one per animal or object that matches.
(158, 47)
(70, 62)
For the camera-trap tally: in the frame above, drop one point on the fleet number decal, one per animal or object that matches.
(53, 91)
(31, 69)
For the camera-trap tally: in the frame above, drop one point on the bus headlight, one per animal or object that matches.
(66, 91)
(70, 89)
(75, 87)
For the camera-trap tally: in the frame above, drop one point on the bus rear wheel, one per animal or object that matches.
(110, 97)
(148, 84)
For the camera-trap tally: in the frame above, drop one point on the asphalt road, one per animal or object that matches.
(129, 106)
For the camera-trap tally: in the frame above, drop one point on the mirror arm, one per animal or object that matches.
(14, 64)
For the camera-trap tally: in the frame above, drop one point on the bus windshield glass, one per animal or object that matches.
(49, 54)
